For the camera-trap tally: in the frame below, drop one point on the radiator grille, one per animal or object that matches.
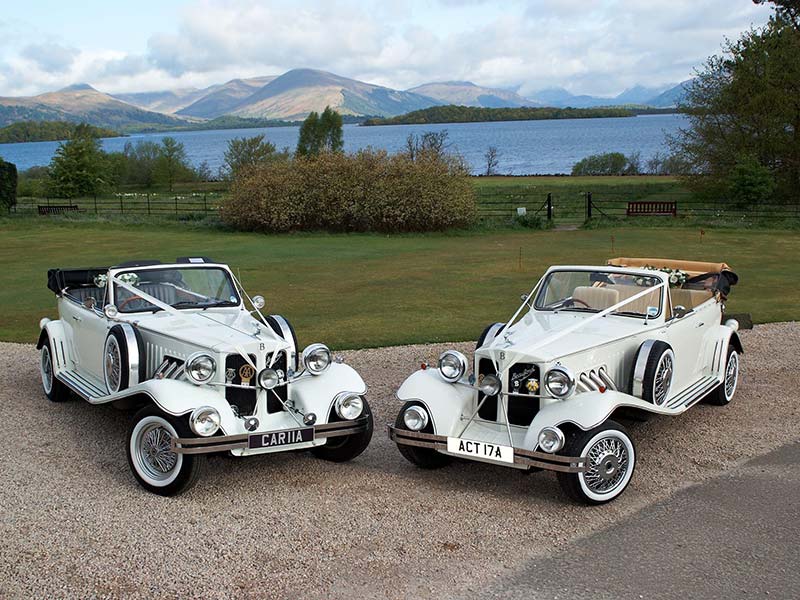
(243, 400)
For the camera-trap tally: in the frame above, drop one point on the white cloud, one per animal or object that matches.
(587, 46)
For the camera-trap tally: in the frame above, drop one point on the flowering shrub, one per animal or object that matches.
(367, 191)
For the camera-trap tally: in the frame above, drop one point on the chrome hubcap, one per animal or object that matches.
(731, 375)
(607, 465)
(113, 364)
(663, 379)
(155, 452)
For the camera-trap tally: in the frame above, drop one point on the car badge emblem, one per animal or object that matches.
(502, 355)
(532, 385)
(251, 423)
(229, 375)
(246, 372)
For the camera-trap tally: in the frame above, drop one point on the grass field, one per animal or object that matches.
(369, 290)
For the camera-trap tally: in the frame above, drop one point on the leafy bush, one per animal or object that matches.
(366, 191)
(610, 163)
(8, 184)
(750, 183)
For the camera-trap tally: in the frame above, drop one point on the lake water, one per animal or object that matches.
(526, 147)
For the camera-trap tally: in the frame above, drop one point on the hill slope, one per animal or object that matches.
(167, 101)
(299, 91)
(222, 99)
(466, 93)
(82, 103)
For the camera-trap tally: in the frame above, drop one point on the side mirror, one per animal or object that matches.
(525, 298)
(259, 302)
(110, 311)
(679, 311)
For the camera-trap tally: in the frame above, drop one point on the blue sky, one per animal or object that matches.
(587, 46)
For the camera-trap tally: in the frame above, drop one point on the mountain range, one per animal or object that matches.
(290, 97)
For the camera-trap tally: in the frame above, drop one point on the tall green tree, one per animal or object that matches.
(321, 133)
(141, 160)
(245, 153)
(744, 111)
(8, 184)
(172, 164)
(78, 167)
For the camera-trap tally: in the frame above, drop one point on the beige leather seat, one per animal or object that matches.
(595, 297)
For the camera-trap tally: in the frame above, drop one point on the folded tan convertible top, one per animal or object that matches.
(690, 267)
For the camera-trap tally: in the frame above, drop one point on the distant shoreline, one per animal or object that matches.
(472, 114)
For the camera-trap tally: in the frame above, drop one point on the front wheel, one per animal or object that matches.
(156, 467)
(53, 388)
(347, 447)
(610, 461)
(726, 390)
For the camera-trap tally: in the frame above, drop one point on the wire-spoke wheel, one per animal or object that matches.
(730, 380)
(610, 460)
(156, 467)
(662, 382)
(53, 388)
(112, 364)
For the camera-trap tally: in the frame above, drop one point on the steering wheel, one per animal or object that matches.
(574, 300)
(128, 301)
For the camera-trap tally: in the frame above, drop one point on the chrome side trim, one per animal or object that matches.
(133, 353)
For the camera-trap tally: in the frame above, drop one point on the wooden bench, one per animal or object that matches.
(652, 209)
(56, 209)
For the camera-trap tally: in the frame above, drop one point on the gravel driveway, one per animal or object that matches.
(74, 523)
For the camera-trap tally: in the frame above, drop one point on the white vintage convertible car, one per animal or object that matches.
(205, 373)
(589, 345)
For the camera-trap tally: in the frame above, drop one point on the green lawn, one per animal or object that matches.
(369, 290)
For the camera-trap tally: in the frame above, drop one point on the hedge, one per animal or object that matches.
(366, 191)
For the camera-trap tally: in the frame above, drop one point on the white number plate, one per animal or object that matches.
(483, 450)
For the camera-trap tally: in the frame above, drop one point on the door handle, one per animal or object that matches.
(76, 317)
(700, 324)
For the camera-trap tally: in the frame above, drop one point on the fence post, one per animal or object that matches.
(121, 206)
(148, 204)
(588, 205)
(549, 206)
(176, 204)
(95, 203)
(205, 202)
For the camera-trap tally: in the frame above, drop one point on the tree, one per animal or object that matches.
(750, 183)
(742, 108)
(330, 130)
(172, 164)
(142, 159)
(321, 133)
(492, 160)
(8, 184)
(308, 144)
(78, 168)
(245, 153)
(610, 163)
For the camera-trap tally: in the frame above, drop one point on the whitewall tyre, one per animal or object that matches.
(53, 388)
(730, 380)
(155, 466)
(610, 460)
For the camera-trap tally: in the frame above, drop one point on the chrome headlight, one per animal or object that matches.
(204, 421)
(490, 385)
(268, 379)
(316, 358)
(416, 418)
(559, 382)
(348, 405)
(551, 439)
(452, 365)
(200, 368)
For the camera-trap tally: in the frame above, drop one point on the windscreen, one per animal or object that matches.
(182, 288)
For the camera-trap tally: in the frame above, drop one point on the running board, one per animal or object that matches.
(82, 385)
(694, 393)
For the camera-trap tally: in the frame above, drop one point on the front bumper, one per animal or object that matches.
(528, 458)
(220, 443)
